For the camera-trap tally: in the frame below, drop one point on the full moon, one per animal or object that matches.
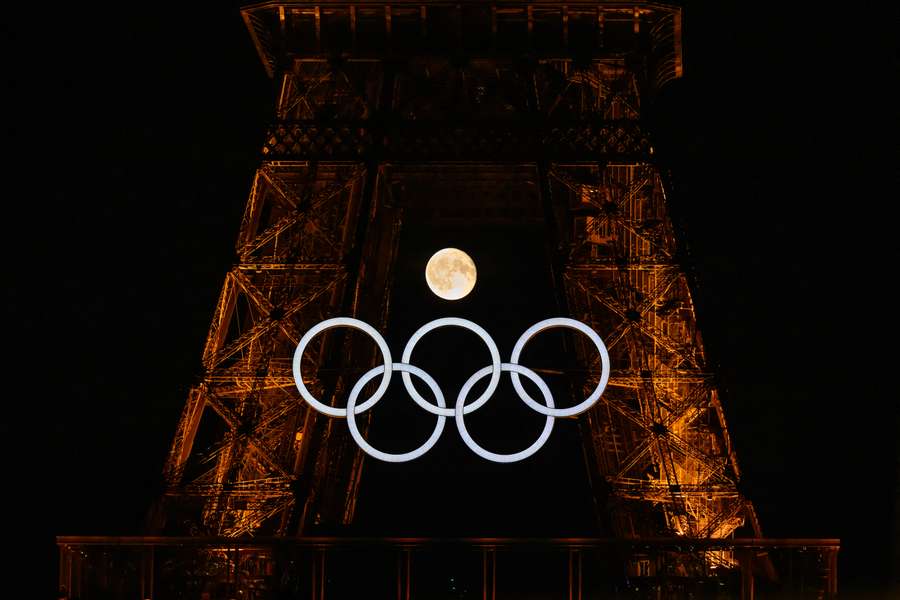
(450, 274)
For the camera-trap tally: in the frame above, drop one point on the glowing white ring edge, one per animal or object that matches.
(493, 456)
(330, 324)
(387, 456)
(566, 323)
(464, 324)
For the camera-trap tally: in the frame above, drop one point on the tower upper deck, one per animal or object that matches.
(644, 33)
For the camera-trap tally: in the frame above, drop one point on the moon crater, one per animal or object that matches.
(450, 274)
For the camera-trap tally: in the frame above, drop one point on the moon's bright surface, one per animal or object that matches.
(450, 273)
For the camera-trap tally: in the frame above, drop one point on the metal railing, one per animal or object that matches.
(316, 568)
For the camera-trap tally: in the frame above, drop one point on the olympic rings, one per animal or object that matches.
(330, 324)
(465, 324)
(407, 456)
(461, 409)
(564, 323)
(503, 458)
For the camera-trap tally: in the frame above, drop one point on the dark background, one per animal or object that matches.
(131, 139)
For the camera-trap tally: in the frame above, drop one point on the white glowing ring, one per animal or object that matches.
(330, 324)
(514, 369)
(366, 446)
(553, 324)
(465, 324)
(461, 409)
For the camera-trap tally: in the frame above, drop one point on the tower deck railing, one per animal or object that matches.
(319, 568)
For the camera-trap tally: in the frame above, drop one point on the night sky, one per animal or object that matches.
(131, 140)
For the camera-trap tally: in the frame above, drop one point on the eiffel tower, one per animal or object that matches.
(392, 114)
(375, 97)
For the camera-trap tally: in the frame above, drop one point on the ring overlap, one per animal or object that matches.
(461, 409)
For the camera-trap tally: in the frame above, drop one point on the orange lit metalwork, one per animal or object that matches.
(543, 94)
(658, 437)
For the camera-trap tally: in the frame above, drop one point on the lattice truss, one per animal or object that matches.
(240, 440)
(604, 89)
(434, 89)
(659, 434)
(491, 89)
(317, 89)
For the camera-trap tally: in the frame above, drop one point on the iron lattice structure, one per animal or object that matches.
(372, 95)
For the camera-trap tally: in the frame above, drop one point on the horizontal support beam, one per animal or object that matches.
(651, 31)
(624, 8)
(482, 542)
(533, 140)
(258, 266)
(618, 265)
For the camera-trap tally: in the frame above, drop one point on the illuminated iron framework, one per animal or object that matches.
(365, 87)
(372, 95)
